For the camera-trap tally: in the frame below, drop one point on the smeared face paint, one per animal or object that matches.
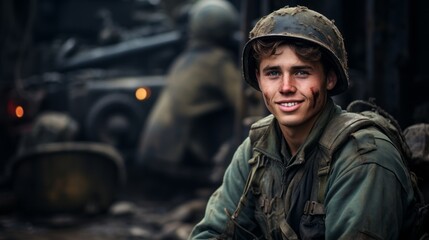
(316, 95)
(294, 91)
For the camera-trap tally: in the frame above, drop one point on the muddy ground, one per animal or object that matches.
(140, 212)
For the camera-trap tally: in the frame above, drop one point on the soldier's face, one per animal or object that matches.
(294, 91)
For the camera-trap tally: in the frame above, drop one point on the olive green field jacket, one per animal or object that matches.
(368, 192)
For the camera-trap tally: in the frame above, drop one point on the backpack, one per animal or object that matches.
(363, 114)
(360, 115)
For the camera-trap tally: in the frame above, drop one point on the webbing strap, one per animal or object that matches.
(323, 174)
(314, 208)
(335, 135)
(230, 227)
(256, 162)
(287, 229)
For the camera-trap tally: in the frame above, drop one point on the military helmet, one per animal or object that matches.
(213, 20)
(303, 24)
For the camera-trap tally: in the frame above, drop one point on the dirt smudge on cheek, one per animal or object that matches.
(316, 95)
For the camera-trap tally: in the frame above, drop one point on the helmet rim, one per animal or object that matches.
(336, 54)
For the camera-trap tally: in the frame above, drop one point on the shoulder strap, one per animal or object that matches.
(339, 129)
(335, 135)
(256, 162)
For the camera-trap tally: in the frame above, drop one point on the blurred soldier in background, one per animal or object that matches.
(195, 115)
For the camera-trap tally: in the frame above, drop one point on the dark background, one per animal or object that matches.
(86, 58)
(70, 55)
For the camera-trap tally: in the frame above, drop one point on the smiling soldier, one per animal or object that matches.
(277, 186)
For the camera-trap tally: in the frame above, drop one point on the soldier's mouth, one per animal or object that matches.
(289, 104)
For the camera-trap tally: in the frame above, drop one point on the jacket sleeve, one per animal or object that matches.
(369, 191)
(226, 198)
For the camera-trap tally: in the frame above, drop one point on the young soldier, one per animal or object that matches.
(276, 186)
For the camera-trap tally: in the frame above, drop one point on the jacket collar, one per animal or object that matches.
(269, 139)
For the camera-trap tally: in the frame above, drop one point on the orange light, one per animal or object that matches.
(19, 111)
(142, 93)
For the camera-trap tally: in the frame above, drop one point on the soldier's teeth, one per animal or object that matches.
(289, 104)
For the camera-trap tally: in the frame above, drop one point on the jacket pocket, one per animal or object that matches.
(312, 227)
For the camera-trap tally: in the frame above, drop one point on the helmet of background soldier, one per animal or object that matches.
(213, 20)
(49, 127)
(301, 24)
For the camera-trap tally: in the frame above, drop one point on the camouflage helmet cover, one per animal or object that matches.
(299, 23)
(213, 20)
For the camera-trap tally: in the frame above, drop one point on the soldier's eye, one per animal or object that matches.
(302, 73)
(273, 73)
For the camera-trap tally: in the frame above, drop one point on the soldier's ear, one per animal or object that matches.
(331, 80)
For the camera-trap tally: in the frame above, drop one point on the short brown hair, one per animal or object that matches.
(305, 51)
